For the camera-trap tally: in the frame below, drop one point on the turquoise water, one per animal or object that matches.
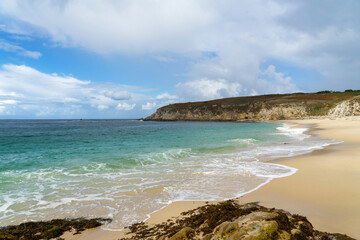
(126, 169)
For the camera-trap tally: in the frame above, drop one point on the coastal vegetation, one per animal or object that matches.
(262, 108)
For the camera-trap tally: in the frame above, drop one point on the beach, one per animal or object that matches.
(325, 188)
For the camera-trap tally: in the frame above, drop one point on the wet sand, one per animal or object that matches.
(325, 189)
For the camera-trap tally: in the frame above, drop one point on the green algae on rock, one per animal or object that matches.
(232, 221)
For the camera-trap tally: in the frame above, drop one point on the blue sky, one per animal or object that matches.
(124, 59)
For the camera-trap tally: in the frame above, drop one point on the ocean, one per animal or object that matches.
(127, 169)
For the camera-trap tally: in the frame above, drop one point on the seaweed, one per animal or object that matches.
(206, 222)
(49, 229)
(204, 219)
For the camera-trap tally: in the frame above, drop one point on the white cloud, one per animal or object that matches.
(8, 94)
(117, 95)
(30, 54)
(102, 107)
(37, 85)
(9, 47)
(148, 106)
(23, 88)
(277, 81)
(9, 101)
(314, 36)
(166, 96)
(279, 77)
(125, 106)
(203, 89)
(115, 25)
(268, 81)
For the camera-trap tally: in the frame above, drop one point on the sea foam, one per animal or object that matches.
(145, 172)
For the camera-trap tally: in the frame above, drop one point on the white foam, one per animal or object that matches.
(159, 157)
(292, 130)
(177, 174)
(246, 141)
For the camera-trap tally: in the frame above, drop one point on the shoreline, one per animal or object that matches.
(290, 193)
(296, 196)
(329, 197)
(281, 192)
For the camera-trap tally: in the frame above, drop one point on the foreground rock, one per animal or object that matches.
(229, 220)
(264, 108)
(49, 229)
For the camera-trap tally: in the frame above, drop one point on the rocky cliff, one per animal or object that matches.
(346, 108)
(263, 108)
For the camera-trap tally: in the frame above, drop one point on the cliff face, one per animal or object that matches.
(346, 108)
(252, 112)
(262, 108)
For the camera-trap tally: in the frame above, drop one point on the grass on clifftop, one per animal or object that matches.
(318, 104)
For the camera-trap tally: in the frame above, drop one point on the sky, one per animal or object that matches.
(126, 58)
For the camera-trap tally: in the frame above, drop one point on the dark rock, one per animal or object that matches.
(49, 229)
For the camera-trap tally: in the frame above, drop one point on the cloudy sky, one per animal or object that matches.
(125, 58)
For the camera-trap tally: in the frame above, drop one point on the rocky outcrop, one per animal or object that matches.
(223, 112)
(262, 108)
(229, 220)
(346, 108)
(52, 229)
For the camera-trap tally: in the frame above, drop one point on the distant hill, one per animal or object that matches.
(264, 107)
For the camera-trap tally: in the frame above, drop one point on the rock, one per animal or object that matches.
(263, 108)
(256, 216)
(346, 108)
(226, 229)
(305, 227)
(259, 230)
(262, 230)
(255, 112)
(284, 236)
(242, 222)
(207, 237)
(183, 234)
(296, 234)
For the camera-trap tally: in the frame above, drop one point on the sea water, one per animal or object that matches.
(127, 169)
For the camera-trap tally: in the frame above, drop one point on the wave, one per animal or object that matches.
(158, 157)
(152, 180)
(293, 131)
(246, 141)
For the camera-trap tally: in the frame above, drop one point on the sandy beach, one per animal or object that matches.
(325, 188)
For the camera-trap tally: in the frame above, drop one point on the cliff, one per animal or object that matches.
(346, 108)
(264, 108)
